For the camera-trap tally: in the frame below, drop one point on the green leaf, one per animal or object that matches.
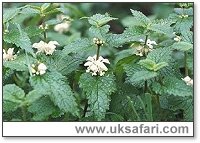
(132, 33)
(99, 32)
(98, 91)
(160, 66)
(179, 103)
(78, 46)
(162, 26)
(65, 64)
(136, 75)
(148, 103)
(54, 84)
(20, 38)
(33, 31)
(9, 14)
(45, 6)
(19, 64)
(42, 109)
(147, 63)
(99, 20)
(160, 55)
(13, 93)
(151, 65)
(9, 106)
(182, 46)
(34, 95)
(172, 86)
(141, 76)
(140, 18)
(184, 103)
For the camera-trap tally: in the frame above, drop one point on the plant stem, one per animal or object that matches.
(98, 51)
(145, 82)
(185, 63)
(23, 109)
(44, 32)
(146, 39)
(28, 64)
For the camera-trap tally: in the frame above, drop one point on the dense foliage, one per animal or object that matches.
(62, 64)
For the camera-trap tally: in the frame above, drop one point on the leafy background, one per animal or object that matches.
(135, 88)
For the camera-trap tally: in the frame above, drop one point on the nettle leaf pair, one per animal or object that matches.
(132, 76)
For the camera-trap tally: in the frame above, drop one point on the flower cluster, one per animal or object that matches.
(177, 38)
(64, 26)
(98, 42)
(38, 69)
(9, 54)
(183, 16)
(143, 50)
(44, 27)
(47, 48)
(96, 66)
(188, 80)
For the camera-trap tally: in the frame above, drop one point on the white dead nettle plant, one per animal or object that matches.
(9, 54)
(47, 48)
(96, 66)
(141, 50)
(38, 69)
(188, 80)
(64, 26)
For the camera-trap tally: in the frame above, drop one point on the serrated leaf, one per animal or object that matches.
(140, 18)
(20, 38)
(33, 31)
(9, 14)
(34, 95)
(9, 106)
(162, 26)
(98, 91)
(13, 93)
(184, 103)
(54, 84)
(65, 64)
(160, 66)
(172, 86)
(99, 20)
(160, 55)
(179, 103)
(42, 109)
(99, 32)
(130, 34)
(78, 46)
(141, 76)
(136, 75)
(19, 64)
(182, 46)
(147, 63)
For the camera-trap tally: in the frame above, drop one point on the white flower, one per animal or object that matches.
(96, 66)
(98, 42)
(40, 69)
(62, 27)
(150, 43)
(47, 48)
(43, 27)
(9, 55)
(188, 80)
(177, 38)
(142, 50)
